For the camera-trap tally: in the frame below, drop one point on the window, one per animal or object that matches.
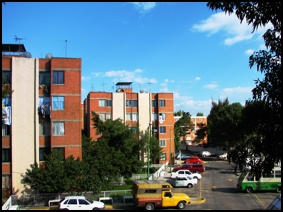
(278, 173)
(162, 116)
(152, 191)
(162, 129)
(6, 181)
(44, 78)
(72, 202)
(153, 103)
(44, 128)
(135, 117)
(6, 77)
(161, 103)
(108, 116)
(105, 102)
(102, 116)
(131, 103)
(83, 202)
(5, 130)
(58, 77)
(58, 103)
(43, 152)
(162, 156)
(59, 150)
(162, 143)
(6, 101)
(6, 155)
(129, 117)
(58, 128)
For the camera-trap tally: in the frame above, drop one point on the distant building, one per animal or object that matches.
(131, 107)
(42, 113)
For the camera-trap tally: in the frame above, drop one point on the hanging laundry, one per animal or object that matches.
(6, 115)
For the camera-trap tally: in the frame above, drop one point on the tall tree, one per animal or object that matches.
(267, 93)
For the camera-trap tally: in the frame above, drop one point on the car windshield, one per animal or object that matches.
(90, 201)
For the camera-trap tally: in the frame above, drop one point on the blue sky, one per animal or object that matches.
(182, 48)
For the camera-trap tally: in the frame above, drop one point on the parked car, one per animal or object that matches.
(193, 159)
(193, 167)
(185, 181)
(182, 173)
(206, 153)
(182, 157)
(80, 203)
(223, 156)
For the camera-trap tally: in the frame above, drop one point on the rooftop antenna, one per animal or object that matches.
(92, 86)
(66, 41)
(103, 86)
(19, 39)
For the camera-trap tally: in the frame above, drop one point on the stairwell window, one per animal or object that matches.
(44, 128)
(43, 152)
(5, 130)
(161, 103)
(60, 151)
(162, 129)
(58, 103)
(6, 155)
(162, 143)
(58, 128)
(6, 77)
(44, 78)
(58, 77)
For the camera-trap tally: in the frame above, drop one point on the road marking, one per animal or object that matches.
(260, 201)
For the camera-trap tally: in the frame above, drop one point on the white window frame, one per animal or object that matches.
(162, 142)
(58, 128)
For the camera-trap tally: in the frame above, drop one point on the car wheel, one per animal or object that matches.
(181, 205)
(149, 206)
(278, 189)
(95, 209)
(249, 189)
(195, 177)
(190, 185)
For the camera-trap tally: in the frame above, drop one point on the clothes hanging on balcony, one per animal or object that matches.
(44, 109)
(6, 115)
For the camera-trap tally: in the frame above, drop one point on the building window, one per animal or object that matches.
(6, 155)
(5, 130)
(6, 181)
(108, 103)
(129, 117)
(58, 103)
(155, 130)
(161, 103)
(108, 116)
(6, 77)
(135, 116)
(102, 116)
(162, 116)
(101, 102)
(162, 156)
(162, 129)
(44, 128)
(58, 128)
(162, 143)
(59, 150)
(153, 103)
(43, 152)
(58, 77)
(134, 129)
(44, 78)
(131, 103)
(6, 101)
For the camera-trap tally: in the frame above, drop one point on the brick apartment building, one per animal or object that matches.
(134, 107)
(41, 114)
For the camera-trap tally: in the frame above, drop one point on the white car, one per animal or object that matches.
(205, 153)
(80, 203)
(185, 182)
(223, 156)
(182, 173)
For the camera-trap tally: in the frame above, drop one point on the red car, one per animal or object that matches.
(193, 159)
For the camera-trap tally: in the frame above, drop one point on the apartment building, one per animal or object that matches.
(41, 113)
(142, 107)
(191, 134)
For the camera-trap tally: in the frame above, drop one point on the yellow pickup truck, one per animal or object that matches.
(151, 194)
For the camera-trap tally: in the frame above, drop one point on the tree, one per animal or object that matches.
(267, 93)
(199, 114)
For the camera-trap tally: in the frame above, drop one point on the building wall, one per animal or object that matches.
(24, 140)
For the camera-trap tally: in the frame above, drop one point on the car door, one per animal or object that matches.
(84, 205)
(72, 204)
(181, 173)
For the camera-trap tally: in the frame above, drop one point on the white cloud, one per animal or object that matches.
(211, 86)
(197, 78)
(143, 7)
(231, 25)
(249, 52)
(236, 92)
(85, 78)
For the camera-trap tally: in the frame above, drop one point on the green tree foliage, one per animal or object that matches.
(121, 143)
(53, 176)
(199, 114)
(223, 123)
(262, 114)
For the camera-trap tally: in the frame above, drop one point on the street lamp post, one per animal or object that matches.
(170, 152)
(148, 151)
